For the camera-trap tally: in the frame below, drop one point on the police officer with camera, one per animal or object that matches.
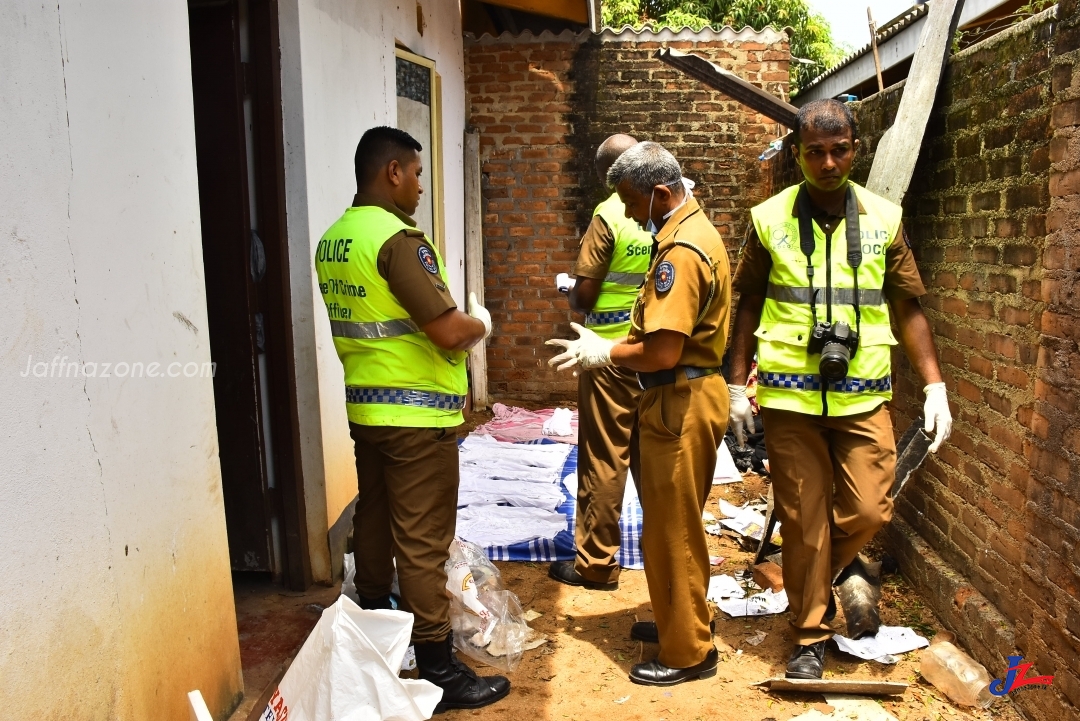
(825, 263)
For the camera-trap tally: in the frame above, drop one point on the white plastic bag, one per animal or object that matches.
(347, 670)
(487, 619)
(348, 588)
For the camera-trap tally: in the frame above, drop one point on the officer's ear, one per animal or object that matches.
(395, 174)
(663, 194)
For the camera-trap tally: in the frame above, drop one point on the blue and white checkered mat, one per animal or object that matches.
(561, 547)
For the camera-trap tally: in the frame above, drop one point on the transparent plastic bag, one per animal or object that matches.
(487, 619)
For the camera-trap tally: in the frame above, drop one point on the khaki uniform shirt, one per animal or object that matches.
(422, 293)
(595, 250)
(902, 279)
(687, 291)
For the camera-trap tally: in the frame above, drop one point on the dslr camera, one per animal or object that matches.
(837, 343)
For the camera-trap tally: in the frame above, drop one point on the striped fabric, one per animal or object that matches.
(561, 548)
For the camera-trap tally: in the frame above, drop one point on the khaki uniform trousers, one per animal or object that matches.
(831, 479)
(406, 511)
(607, 400)
(673, 457)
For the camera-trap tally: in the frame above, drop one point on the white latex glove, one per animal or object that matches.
(480, 313)
(588, 351)
(740, 414)
(937, 414)
(564, 282)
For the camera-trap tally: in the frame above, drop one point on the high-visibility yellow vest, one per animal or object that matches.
(394, 374)
(788, 377)
(610, 317)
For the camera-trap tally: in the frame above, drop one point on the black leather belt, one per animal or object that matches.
(665, 377)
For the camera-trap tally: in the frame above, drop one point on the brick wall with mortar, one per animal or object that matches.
(542, 105)
(988, 529)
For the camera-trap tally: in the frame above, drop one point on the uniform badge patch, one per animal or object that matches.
(427, 259)
(665, 277)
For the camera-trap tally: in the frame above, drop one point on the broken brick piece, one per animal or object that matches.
(769, 575)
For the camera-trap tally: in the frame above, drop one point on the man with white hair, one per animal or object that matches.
(677, 338)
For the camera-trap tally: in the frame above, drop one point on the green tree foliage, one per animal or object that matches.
(811, 37)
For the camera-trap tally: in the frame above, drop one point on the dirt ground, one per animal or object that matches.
(581, 673)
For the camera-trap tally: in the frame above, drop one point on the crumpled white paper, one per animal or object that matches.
(724, 586)
(889, 640)
(760, 604)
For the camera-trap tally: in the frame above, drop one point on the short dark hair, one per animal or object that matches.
(828, 115)
(377, 148)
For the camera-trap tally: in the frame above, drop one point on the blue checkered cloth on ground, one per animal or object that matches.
(561, 548)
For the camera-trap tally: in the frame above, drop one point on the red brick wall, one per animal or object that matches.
(993, 214)
(542, 105)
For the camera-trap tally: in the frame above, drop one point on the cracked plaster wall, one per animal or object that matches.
(117, 597)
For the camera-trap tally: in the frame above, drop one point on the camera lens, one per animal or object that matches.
(834, 361)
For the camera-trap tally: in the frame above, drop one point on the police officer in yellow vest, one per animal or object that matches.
(611, 266)
(403, 344)
(825, 263)
(677, 338)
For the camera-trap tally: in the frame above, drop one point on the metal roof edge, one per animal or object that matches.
(767, 36)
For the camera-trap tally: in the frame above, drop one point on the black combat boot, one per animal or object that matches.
(462, 688)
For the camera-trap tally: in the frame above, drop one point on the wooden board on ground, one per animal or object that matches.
(865, 688)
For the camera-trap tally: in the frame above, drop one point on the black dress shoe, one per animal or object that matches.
(807, 661)
(655, 673)
(564, 572)
(646, 631)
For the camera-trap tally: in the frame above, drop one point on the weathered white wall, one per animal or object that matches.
(117, 596)
(338, 81)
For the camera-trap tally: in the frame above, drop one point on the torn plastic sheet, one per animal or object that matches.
(889, 641)
(760, 604)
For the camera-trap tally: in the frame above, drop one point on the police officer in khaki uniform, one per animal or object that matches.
(676, 344)
(402, 343)
(827, 261)
(611, 265)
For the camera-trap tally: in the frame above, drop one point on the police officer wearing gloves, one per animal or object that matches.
(611, 266)
(825, 264)
(403, 344)
(677, 337)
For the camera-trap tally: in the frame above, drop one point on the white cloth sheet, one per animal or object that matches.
(889, 640)
(521, 475)
(491, 525)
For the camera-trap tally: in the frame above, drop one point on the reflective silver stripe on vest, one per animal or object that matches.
(373, 329)
(634, 279)
(840, 296)
(405, 397)
(607, 317)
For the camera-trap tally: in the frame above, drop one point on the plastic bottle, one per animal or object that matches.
(955, 674)
(772, 149)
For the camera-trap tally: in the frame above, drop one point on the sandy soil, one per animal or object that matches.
(582, 672)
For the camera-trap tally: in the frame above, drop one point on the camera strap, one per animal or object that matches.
(854, 245)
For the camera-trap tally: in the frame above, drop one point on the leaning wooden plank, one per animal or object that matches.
(894, 159)
(474, 260)
(868, 688)
(731, 85)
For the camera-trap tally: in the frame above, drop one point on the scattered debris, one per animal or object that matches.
(531, 615)
(890, 640)
(960, 677)
(846, 708)
(707, 517)
(715, 560)
(724, 586)
(624, 699)
(760, 604)
(757, 638)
